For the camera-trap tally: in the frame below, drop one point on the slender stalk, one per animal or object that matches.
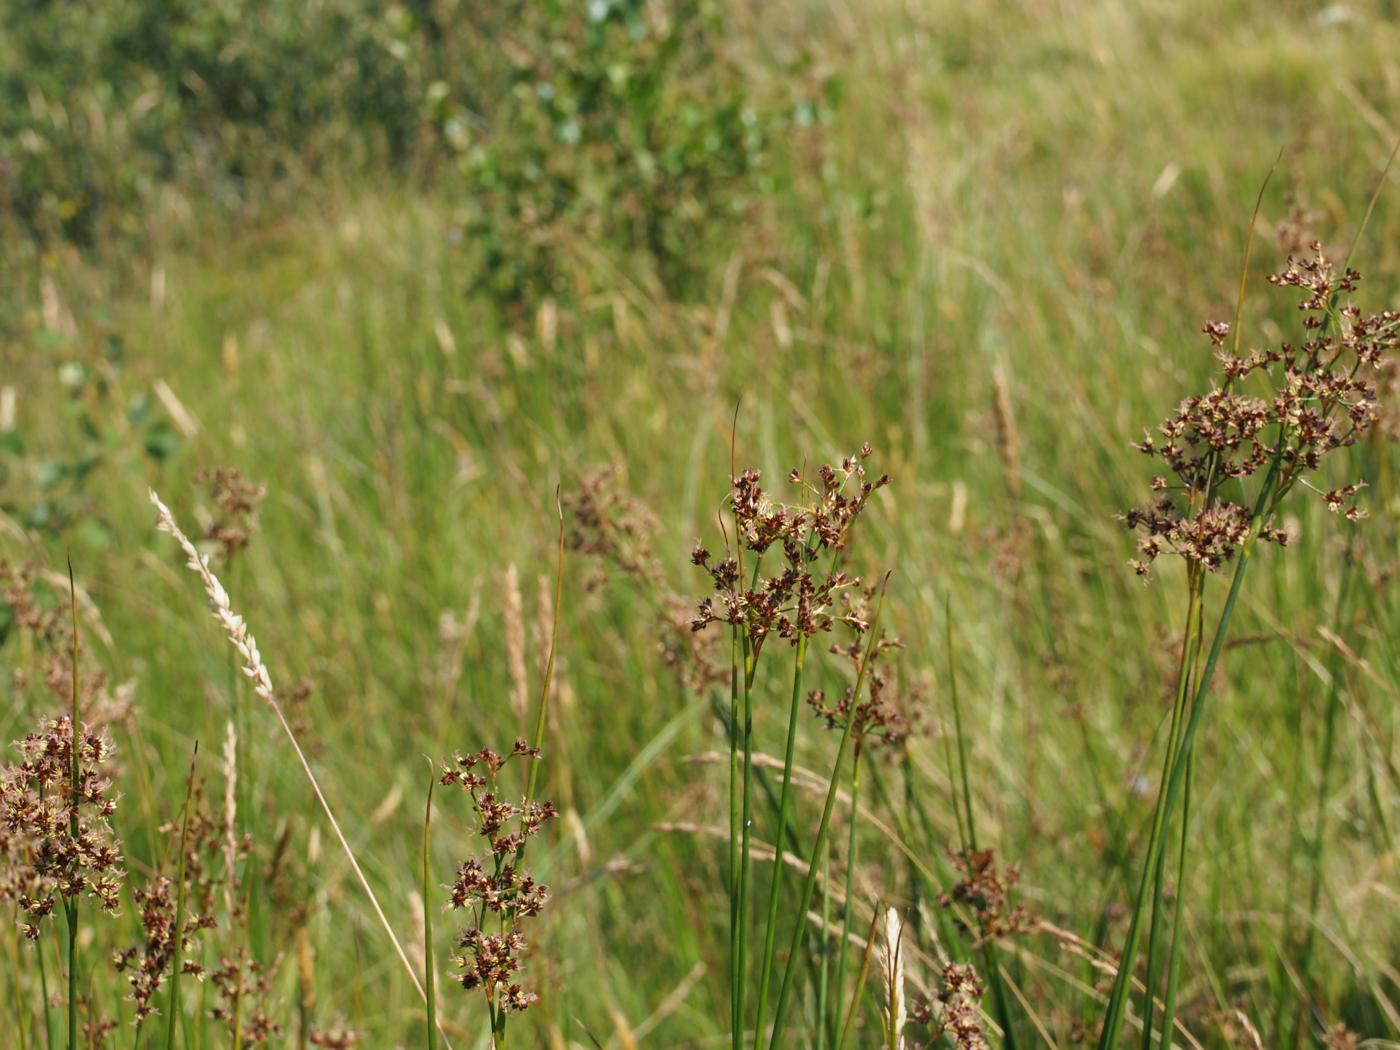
(823, 972)
(19, 998)
(969, 844)
(429, 978)
(745, 846)
(779, 869)
(842, 749)
(1174, 952)
(177, 958)
(1195, 631)
(71, 903)
(1195, 586)
(1113, 1021)
(735, 822)
(241, 638)
(861, 978)
(850, 876)
(44, 995)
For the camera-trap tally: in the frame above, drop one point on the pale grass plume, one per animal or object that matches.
(892, 968)
(230, 812)
(241, 638)
(1008, 436)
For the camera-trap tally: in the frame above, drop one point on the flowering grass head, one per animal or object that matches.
(1232, 457)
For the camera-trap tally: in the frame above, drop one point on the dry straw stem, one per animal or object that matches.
(247, 647)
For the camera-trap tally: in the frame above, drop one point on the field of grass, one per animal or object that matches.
(991, 260)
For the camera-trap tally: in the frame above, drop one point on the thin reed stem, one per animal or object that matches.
(1113, 1021)
(861, 978)
(71, 903)
(177, 957)
(735, 822)
(779, 869)
(1174, 949)
(1195, 585)
(19, 998)
(850, 887)
(969, 844)
(824, 966)
(429, 975)
(243, 641)
(842, 749)
(746, 847)
(1316, 844)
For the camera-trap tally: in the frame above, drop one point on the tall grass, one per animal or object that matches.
(982, 209)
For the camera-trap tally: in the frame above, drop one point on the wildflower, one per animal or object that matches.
(1321, 397)
(879, 717)
(146, 963)
(985, 890)
(792, 602)
(494, 889)
(46, 619)
(236, 499)
(55, 842)
(956, 1015)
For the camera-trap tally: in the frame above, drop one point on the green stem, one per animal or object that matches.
(861, 978)
(71, 905)
(850, 877)
(735, 822)
(19, 998)
(745, 866)
(177, 959)
(1195, 586)
(825, 964)
(1315, 848)
(775, 886)
(429, 978)
(1113, 1021)
(809, 885)
(44, 995)
(1174, 952)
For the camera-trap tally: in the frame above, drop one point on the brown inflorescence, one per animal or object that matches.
(1320, 396)
(42, 859)
(493, 888)
(880, 718)
(792, 602)
(611, 526)
(985, 890)
(956, 1012)
(236, 500)
(45, 616)
(146, 964)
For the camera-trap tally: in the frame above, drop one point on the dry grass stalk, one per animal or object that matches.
(253, 667)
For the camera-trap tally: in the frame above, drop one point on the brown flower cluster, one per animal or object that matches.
(609, 524)
(493, 888)
(44, 615)
(242, 990)
(236, 501)
(956, 1014)
(616, 530)
(146, 964)
(879, 718)
(55, 843)
(792, 602)
(1320, 396)
(985, 890)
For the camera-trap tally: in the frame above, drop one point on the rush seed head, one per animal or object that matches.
(1232, 457)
